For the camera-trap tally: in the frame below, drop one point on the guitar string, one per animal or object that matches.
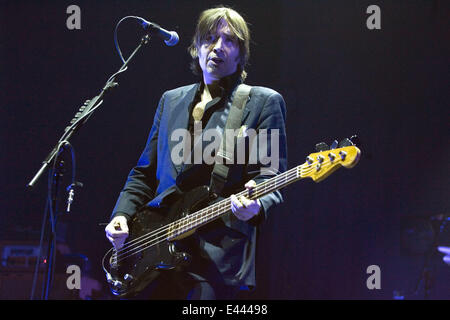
(224, 205)
(185, 228)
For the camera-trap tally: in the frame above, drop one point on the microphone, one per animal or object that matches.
(170, 37)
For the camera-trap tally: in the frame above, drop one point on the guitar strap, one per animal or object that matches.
(225, 153)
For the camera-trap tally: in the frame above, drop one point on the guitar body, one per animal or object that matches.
(132, 268)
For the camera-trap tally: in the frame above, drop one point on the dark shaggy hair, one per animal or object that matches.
(208, 22)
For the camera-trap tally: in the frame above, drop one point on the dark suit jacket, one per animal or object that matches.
(226, 248)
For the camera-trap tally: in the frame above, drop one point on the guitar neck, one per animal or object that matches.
(222, 207)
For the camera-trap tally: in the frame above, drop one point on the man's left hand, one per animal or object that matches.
(243, 208)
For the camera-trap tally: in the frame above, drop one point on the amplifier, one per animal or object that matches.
(23, 255)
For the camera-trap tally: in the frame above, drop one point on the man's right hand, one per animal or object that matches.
(117, 231)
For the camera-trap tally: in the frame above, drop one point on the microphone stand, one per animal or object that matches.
(56, 173)
(85, 112)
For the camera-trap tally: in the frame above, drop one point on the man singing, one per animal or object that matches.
(223, 251)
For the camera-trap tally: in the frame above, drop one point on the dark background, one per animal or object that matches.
(388, 86)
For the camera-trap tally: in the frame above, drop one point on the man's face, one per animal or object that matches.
(218, 54)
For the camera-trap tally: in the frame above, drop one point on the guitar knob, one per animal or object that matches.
(117, 284)
(343, 154)
(183, 259)
(128, 277)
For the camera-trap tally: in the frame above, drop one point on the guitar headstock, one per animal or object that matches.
(321, 164)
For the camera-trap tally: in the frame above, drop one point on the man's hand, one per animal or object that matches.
(243, 208)
(117, 231)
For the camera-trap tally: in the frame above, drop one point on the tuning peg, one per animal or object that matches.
(334, 145)
(322, 146)
(345, 143)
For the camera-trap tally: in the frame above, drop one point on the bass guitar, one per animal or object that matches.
(150, 247)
